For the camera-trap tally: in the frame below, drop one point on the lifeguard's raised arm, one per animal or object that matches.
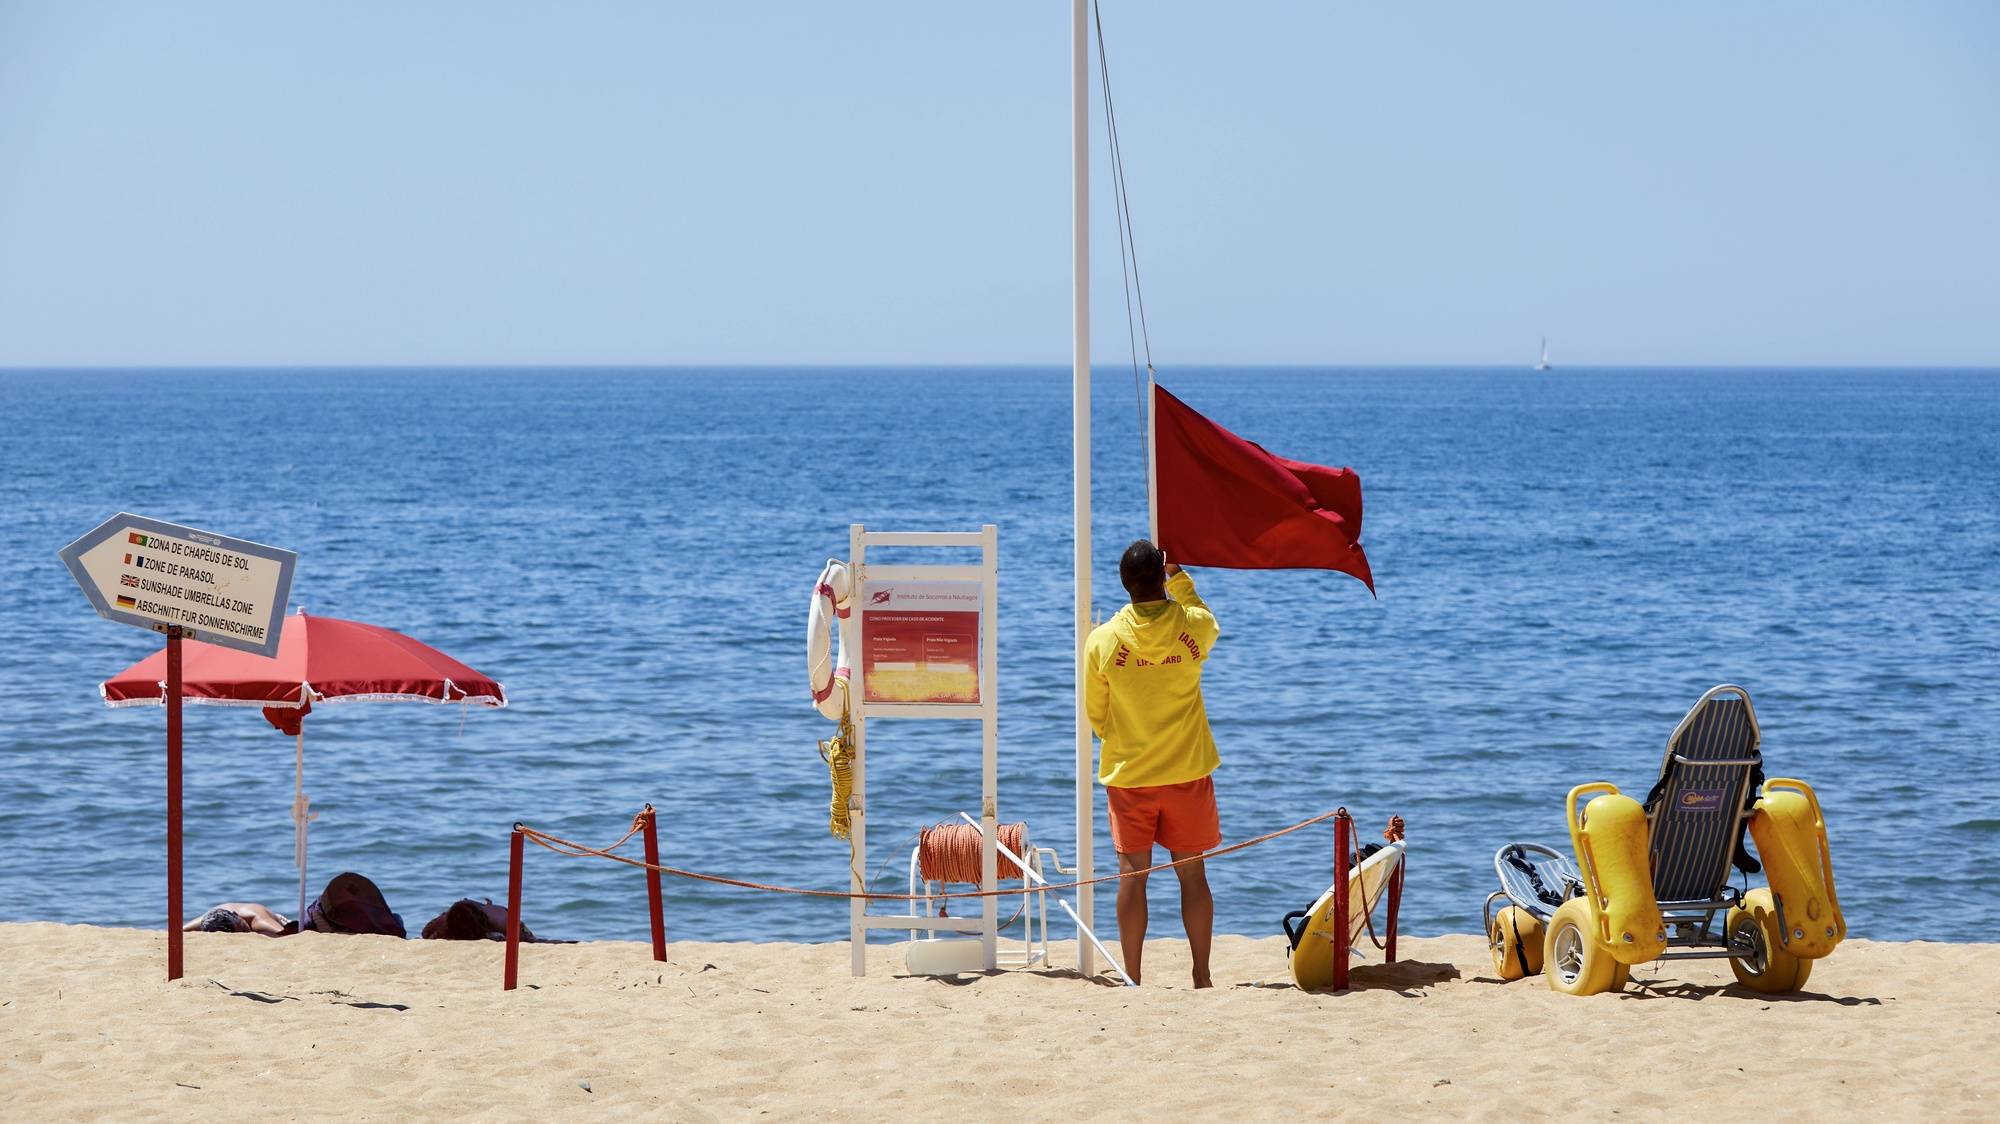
(1201, 622)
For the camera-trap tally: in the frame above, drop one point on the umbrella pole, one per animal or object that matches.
(299, 818)
(173, 802)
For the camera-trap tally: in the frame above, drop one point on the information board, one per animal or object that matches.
(920, 642)
(155, 575)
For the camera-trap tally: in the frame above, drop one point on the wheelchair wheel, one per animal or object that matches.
(1769, 969)
(1516, 943)
(1572, 959)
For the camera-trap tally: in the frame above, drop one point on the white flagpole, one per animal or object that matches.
(1079, 149)
(1152, 463)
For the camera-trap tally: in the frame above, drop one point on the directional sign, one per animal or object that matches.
(155, 575)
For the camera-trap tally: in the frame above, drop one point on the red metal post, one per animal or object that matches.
(653, 901)
(1395, 902)
(1342, 827)
(513, 958)
(173, 802)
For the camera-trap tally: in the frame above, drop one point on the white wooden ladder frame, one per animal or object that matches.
(987, 712)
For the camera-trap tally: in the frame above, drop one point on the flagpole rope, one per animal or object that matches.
(561, 846)
(1128, 239)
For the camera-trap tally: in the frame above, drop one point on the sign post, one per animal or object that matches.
(184, 583)
(174, 802)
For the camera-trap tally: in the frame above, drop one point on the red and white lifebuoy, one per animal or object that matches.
(826, 671)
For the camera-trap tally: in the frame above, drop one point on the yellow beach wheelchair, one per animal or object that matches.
(1651, 880)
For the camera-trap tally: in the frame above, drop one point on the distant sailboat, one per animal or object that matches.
(1544, 364)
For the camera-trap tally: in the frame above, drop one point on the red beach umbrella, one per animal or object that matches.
(320, 661)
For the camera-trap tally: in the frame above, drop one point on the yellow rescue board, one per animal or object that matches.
(1312, 961)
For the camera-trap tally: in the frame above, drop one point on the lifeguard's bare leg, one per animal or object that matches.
(1132, 909)
(1197, 912)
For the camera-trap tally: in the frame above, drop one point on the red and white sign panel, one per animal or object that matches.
(920, 642)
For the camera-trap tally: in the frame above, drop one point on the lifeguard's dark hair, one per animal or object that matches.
(1143, 568)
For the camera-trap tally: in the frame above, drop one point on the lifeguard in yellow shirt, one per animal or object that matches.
(1142, 687)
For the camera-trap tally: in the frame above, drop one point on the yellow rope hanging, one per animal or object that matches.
(838, 753)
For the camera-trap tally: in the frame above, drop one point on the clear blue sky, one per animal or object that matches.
(785, 182)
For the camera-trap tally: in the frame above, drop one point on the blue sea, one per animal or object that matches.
(1565, 561)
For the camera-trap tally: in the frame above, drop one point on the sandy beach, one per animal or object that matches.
(369, 1027)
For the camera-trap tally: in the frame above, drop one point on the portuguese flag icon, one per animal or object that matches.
(135, 538)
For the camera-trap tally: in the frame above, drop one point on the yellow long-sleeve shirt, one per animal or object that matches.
(1142, 687)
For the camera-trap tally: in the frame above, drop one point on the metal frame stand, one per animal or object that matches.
(1034, 911)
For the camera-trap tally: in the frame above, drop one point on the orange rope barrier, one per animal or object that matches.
(638, 825)
(563, 846)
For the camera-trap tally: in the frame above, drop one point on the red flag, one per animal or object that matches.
(1226, 502)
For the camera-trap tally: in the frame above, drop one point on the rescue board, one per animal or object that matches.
(1312, 961)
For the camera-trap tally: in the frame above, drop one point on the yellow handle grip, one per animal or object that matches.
(1586, 860)
(1793, 784)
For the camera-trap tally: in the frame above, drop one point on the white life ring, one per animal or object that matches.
(832, 598)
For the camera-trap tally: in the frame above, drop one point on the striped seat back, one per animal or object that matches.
(1706, 772)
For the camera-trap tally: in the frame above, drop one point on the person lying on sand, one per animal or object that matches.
(352, 904)
(242, 917)
(468, 920)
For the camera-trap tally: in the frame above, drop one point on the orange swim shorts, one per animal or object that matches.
(1180, 817)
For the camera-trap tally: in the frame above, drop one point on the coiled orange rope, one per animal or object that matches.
(951, 852)
(563, 846)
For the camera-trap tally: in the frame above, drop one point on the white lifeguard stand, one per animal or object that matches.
(877, 586)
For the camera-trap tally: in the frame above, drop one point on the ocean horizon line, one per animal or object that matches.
(974, 366)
